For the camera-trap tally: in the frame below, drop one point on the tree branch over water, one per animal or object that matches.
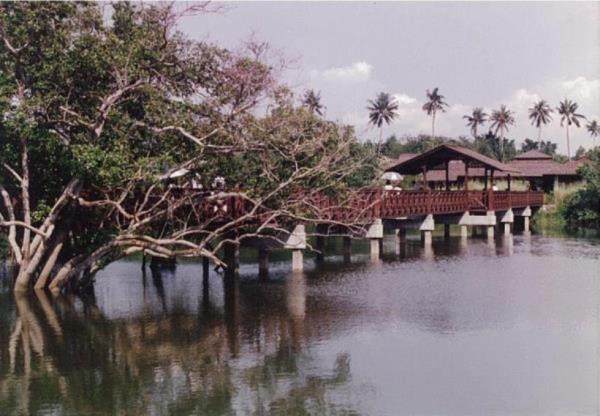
(119, 131)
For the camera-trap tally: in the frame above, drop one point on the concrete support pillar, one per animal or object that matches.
(527, 212)
(397, 242)
(427, 238)
(347, 249)
(375, 248)
(446, 231)
(491, 224)
(297, 260)
(263, 261)
(426, 229)
(507, 219)
(464, 232)
(375, 234)
(297, 242)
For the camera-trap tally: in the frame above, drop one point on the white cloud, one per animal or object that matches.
(356, 72)
(582, 88)
(522, 100)
(404, 99)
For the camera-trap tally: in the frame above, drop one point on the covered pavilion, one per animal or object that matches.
(447, 159)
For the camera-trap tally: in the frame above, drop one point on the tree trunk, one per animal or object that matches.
(502, 145)
(78, 264)
(380, 140)
(568, 143)
(539, 137)
(25, 199)
(50, 263)
(40, 244)
(433, 125)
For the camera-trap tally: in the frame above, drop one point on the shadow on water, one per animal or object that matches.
(403, 334)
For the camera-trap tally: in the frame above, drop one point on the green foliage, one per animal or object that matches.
(496, 147)
(583, 208)
(114, 104)
(547, 147)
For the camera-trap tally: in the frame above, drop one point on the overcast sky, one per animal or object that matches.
(478, 54)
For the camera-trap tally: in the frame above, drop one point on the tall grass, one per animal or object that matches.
(562, 193)
(551, 216)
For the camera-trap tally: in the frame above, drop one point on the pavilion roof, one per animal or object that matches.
(528, 168)
(533, 155)
(437, 157)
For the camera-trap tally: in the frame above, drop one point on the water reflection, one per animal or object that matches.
(463, 330)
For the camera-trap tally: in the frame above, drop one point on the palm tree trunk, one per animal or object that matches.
(433, 125)
(380, 139)
(539, 137)
(568, 143)
(502, 145)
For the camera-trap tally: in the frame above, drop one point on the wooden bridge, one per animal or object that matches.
(376, 209)
(369, 204)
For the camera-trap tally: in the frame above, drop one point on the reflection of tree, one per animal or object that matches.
(63, 354)
(307, 394)
(72, 359)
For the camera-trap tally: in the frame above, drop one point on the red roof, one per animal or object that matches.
(531, 164)
(405, 156)
(528, 166)
(533, 155)
(438, 156)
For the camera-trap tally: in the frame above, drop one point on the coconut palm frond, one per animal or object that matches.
(435, 102)
(312, 101)
(384, 109)
(593, 128)
(539, 114)
(502, 119)
(568, 112)
(477, 118)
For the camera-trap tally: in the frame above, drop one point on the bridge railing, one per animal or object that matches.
(365, 204)
(395, 204)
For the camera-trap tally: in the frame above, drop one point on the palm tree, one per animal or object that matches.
(594, 128)
(476, 119)
(539, 115)
(435, 102)
(312, 101)
(501, 120)
(568, 115)
(383, 109)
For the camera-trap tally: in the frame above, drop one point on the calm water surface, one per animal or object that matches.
(510, 328)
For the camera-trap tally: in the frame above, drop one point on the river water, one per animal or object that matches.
(504, 328)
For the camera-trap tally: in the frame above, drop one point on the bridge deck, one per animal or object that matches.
(369, 204)
(366, 205)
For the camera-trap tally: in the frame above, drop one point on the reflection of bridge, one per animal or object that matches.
(490, 209)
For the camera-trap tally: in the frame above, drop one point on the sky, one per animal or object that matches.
(478, 54)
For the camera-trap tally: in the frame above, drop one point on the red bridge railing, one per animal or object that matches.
(365, 205)
(370, 204)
